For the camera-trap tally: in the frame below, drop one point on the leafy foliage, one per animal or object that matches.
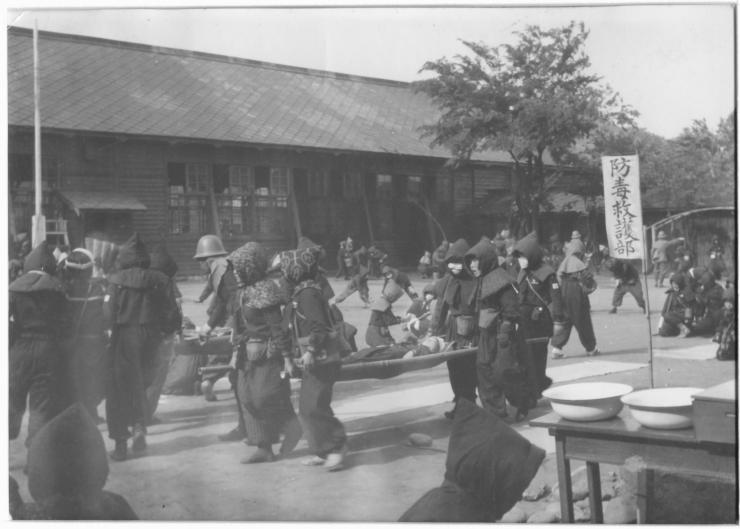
(528, 99)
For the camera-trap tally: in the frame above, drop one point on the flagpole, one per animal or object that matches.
(647, 302)
(38, 231)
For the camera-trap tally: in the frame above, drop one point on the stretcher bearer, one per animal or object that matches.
(309, 317)
(210, 252)
(89, 343)
(263, 391)
(40, 318)
(628, 281)
(141, 309)
(540, 304)
(455, 311)
(496, 304)
(381, 315)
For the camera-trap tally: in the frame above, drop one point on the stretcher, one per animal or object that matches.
(351, 370)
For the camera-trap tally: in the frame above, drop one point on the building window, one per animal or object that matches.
(188, 186)
(384, 189)
(279, 187)
(22, 192)
(231, 184)
(413, 188)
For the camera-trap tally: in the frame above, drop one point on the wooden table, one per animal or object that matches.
(615, 440)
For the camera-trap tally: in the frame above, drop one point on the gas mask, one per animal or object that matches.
(455, 268)
(523, 262)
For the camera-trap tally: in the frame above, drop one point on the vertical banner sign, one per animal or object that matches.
(623, 206)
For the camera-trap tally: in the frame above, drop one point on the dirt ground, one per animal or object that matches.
(188, 474)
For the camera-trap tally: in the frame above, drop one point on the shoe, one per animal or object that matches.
(335, 460)
(207, 388)
(613, 311)
(233, 435)
(557, 354)
(683, 331)
(293, 434)
(595, 352)
(119, 453)
(261, 455)
(138, 444)
(315, 461)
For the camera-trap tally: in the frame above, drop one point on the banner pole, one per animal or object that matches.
(647, 302)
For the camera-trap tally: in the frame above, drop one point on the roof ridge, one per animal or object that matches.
(165, 50)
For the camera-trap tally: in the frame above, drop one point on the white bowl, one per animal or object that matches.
(662, 408)
(587, 401)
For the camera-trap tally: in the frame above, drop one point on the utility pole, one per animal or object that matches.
(38, 229)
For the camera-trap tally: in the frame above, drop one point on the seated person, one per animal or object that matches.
(488, 467)
(709, 303)
(67, 469)
(678, 309)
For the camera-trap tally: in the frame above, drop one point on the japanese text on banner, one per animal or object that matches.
(623, 206)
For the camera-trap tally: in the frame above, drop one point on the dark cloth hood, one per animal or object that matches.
(36, 281)
(300, 264)
(133, 253)
(67, 457)
(161, 260)
(457, 250)
(41, 258)
(530, 249)
(249, 263)
(679, 279)
(486, 254)
(489, 459)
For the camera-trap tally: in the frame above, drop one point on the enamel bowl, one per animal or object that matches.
(662, 408)
(587, 401)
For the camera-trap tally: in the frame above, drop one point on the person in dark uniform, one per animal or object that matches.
(439, 268)
(88, 345)
(497, 307)
(455, 311)
(678, 308)
(161, 260)
(577, 283)
(381, 315)
(628, 281)
(310, 320)
(376, 258)
(40, 318)
(540, 304)
(708, 307)
(210, 252)
(141, 310)
(263, 390)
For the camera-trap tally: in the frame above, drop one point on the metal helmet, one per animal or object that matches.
(209, 246)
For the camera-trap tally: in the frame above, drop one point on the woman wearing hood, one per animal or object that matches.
(310, 320)
(496, 302)
(262, 389)
(709, 306)
(540, 304)
(39, 314)
(141, 310)
(89, 343)
(455, 312)
(678, 309)
(577, 283)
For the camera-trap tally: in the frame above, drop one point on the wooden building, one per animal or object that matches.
(175, 144)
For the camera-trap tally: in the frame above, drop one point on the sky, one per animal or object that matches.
(673, 63)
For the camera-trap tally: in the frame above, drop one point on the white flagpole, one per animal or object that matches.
(647, 302)
(38, 231)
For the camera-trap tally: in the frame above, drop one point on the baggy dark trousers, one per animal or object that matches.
(87, 370)
(490, 391)
(462, 371)
(161, 365)
(634, 289)
(578, 313)
(323, 431)
(132, 369)
(36, 365)
(265, 396)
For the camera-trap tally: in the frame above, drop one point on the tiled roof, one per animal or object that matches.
(90, 84)
(100, 200)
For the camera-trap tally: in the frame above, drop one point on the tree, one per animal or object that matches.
(528, 99)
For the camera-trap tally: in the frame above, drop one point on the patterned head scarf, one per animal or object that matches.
(302, 263)
(249, 263)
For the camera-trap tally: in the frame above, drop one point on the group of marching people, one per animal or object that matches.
(508, 307)
(76, 336)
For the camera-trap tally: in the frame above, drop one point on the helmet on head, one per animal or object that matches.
(661, 234)
(209, 246)
(575, 235)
